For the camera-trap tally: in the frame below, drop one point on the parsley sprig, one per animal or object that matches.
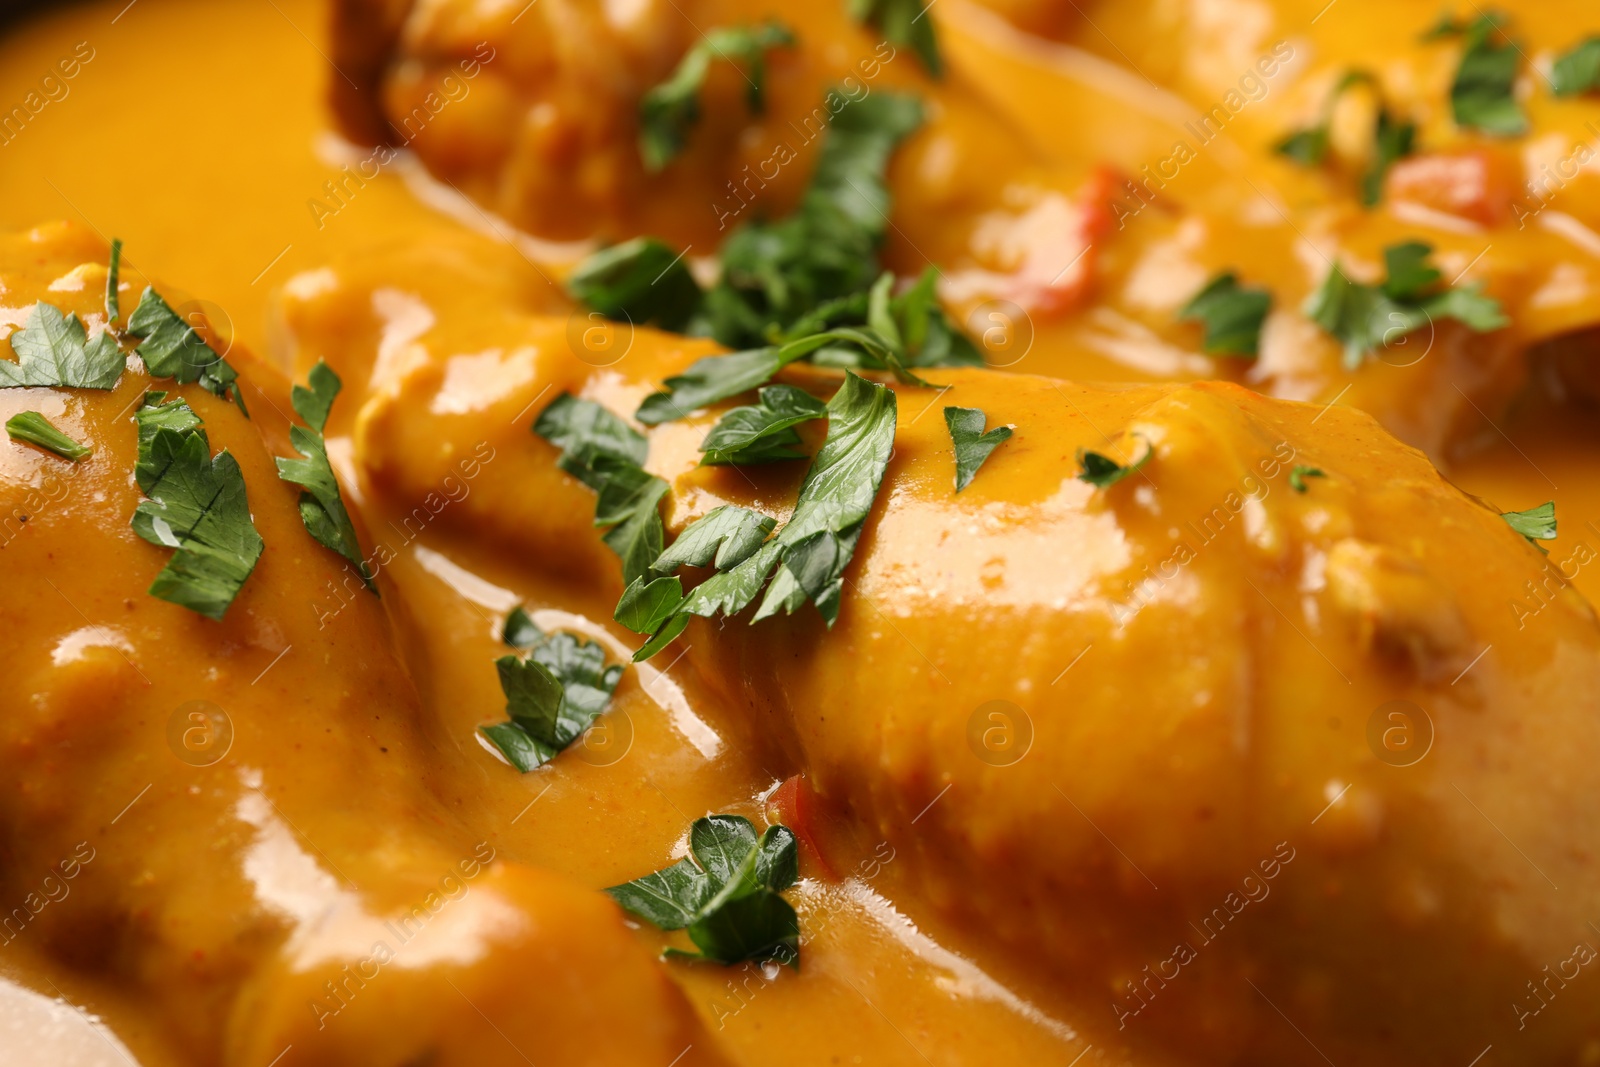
(1102, 472)
(903, 22)
(1483, 94)
(972, 444)
(1577, 71)
(321, 505)
(762, 432)
(35, 429)
(196, 506)
(552, 696)
(725, 893)
(807, 557)
(1393, 138)
(667, 111)
(606, 454)
(1232, 314)
(1536, 524)
(172, 349)
(55, 349)
(790, 278)
(1368, 317)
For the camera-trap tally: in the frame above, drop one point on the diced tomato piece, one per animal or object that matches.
(796, 806)
(1477, 183)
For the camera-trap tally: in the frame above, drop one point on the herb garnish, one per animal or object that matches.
(113, 308)
(794, 276)
(34, 428)
(552, 696)
(1298, 476)
(54, 349)
(1483, 95)
(668, 111)
(1232, 315)
(903, 22)
(725, 893)
(1536, 524)
(763, 432)
(1368, 317)
(809, 553)
(972, 445)
(607, 455)
(321, 505)
(1392, 138)
(640, 281)
(1577, 71)
(172, 349)
(1103, 472)
(197, 506)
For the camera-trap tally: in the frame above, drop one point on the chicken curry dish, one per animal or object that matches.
(726, 532)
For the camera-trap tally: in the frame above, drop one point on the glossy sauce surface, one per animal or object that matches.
(888, 978)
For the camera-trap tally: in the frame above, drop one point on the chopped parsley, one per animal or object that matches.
(972, 444)
(197, 507)
(725, 893)
(640, 281)
(668, 111)
(1577, 71)
(172, 349)
(1483, 95)
(321, 505)
(606, 454)
(1368, 317)
(55, 349)
(113, 309)
(807, 557)
(1232, 315)
(1298, 476)
(1536, 524)
(35, 429)
(903, 22)
(796, 276)
(1392, 138)
(763, 432)
(1103, 472)
(552, 696)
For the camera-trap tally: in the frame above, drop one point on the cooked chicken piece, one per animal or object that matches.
(1266, 709)
(233, 819)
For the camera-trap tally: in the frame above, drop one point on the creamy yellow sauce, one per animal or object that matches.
(198, 133)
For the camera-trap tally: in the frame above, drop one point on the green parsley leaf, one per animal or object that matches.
(640, 281)
(1232, 315)
(172, 349)
(764, 432)
(113, 309)
(1103, 472)
(1366, 318)
(1577, 71)
(1298, 476)
(607, 455)
(773, 273)
(725, 893)
(54, 349)
(321, 505)
(668, 111)
(1483, 94)
(552, 696)
(811, 551)
(727, 535)
(1536, 524)
(972, 445)
(1393, 139)
(520, 631)
(34, 428)
(197, 506)
(903, 22)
